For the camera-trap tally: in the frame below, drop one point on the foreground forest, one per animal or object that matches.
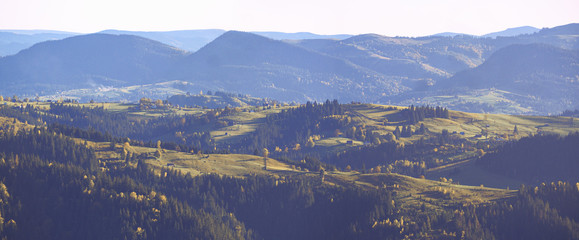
(314, 171)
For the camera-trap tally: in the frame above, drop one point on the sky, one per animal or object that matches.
(385, 17)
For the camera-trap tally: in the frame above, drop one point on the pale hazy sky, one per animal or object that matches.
(386, 17)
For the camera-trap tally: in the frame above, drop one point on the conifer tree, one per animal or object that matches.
(397, 132)
(265, 154)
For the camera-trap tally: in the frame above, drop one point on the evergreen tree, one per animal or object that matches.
(397, 133)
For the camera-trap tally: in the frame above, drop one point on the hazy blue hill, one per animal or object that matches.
(511, 32)
(435, 57)
(193, 40)
(300, 35)
(439, 56)
(569, 29)
(190, 40)
(12, 41)
(520, 65)
(420, 61)
(87, 61)
(546, 72)
(449, 34)
(247, 63)
(39, 32)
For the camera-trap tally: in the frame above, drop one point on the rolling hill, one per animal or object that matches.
(513, 67)
(147, 190)
(417, 59)
(13, 41)
(86, 61)
(248, 63)
(433, 57)
(544, 72)
(511, 32)
(300, 35)
(190, 40)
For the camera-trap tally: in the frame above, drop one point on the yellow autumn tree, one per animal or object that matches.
(310, 143)
(297, 147)
(162, 198)
(351, 133)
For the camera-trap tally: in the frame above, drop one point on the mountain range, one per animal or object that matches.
(536, 73)
(512, 32)
(547, 73)
(264, 67)
(13, 41)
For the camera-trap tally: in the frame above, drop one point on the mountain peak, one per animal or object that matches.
(101, 39)
(265, 67)
(241, 36)
(449, 34)
(86, 60)
(300, 36)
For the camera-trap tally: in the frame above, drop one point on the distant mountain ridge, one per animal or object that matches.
(36, 32)
(193, 40)
(300, 35)
(264, 67)
(572, 28)
(13, 41)
(548, 73)
(449, 34)
(189, 40)
(517, 64)
(87, 61)
(531, 78)
(417, 58)
(512, 32)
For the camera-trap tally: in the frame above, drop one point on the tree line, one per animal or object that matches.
(535, 159)
(416, 114)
